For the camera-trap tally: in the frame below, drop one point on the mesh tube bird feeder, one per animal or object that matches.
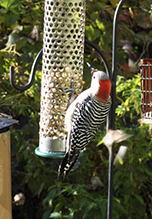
(146, 90)
(62, 70)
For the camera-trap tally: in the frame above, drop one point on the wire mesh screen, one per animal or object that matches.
(146, 88)
(63, 53)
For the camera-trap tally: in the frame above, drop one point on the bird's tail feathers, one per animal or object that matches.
(71, 165)
(62, 165)
(67, 164)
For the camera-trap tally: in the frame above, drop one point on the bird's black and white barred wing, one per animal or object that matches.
(87, 118)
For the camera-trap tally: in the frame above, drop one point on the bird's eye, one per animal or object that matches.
(93, 77)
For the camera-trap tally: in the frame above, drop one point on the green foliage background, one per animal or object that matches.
(21, 34)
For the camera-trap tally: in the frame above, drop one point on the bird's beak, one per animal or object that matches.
(92, 69)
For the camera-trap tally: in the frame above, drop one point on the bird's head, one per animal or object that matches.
(100, 85)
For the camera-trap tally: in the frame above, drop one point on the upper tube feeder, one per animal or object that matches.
(62, 70)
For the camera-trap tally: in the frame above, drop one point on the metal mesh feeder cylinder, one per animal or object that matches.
(146, 90)
(62, 70)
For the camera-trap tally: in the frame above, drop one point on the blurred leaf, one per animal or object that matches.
(103, 208)
(106, 38)
(121, 57)
(114, 2)
(88, 208)
(21, 42)
(2, 18)
(9, 3)
(94, 15)
(55, 215)
(83, 202)
(52, 193)
(13, 37)
(143, 21)
(140, 37)
(11, 19)
(100, 25)
(92, 33)
(41, 188)
(46, 214)
(139, 198)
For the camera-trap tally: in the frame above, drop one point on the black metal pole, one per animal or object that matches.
(112, 112)
(114, 62)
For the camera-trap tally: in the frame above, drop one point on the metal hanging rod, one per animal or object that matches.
(32, 75)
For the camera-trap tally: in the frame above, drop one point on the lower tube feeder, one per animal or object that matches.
(62, 71)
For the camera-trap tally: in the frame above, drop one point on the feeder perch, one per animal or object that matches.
(146, 90)
(5, 168)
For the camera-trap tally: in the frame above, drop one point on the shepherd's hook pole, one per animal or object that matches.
(112, 113)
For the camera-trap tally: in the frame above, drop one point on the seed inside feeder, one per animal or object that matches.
(64, 74)
(55, 116)
(58, 74)
(52, 132)
(58, 132)
(60, 79)
(52, 110)
(50, 116)
(56, 95)
(52, 121)
(54, 78)
(54, 89)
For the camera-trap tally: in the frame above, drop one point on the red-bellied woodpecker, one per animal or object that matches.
(84, 117)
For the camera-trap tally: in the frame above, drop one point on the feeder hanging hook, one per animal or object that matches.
(32, 75)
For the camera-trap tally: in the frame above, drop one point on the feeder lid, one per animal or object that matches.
(6, 121)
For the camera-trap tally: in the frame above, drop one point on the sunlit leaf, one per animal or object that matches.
(100, 24)
(55, 215)
(9, 3)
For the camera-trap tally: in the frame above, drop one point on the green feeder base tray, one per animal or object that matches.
(49, 154)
